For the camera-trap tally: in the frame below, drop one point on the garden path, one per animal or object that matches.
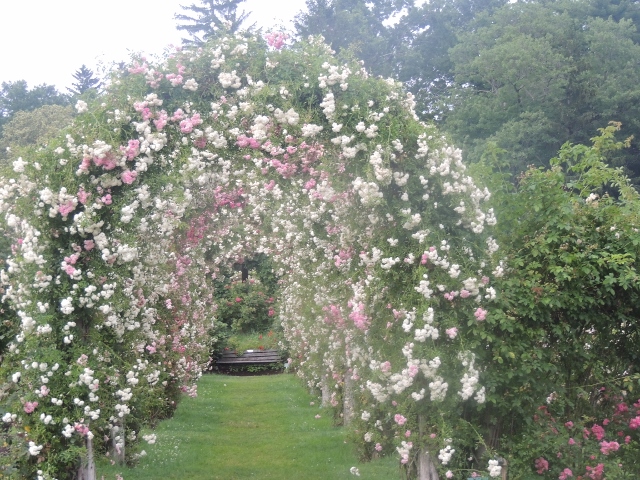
(250, 427)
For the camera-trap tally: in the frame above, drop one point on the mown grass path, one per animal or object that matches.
(261, 427)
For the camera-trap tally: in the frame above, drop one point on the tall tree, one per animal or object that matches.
(428, 31)
(16, 96)
(406, 39)
(208, 17)
(363, 26)
(84, 81)
(532, 76)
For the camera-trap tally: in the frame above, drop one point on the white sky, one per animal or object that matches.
(46, 41)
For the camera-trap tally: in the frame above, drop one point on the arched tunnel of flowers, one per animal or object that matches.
(187, 166)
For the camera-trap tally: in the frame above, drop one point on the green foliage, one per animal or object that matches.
(245, 307)
(567, 324)
(33, 128)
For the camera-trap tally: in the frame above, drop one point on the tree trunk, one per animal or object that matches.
(118, 443)
(347, 410)
(326, 391)
(87, 469)
(426, 466)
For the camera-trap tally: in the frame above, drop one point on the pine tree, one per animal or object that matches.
(84, 81)
(208, 17)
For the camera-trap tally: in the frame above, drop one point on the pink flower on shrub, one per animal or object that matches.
(608, 447)
(569, 424)
(407, 433)
(81, 428)
(132, 149)
(566, 473)
(480, 314)
(238, 299)
(399, 419)
(541, 465)
(622, 408)
(595, 473)
(66, 208)
(572, 441)
(83, 196)
(385, 366)
(598, 431)
(378, 447)
(276, 39)
(634, 423)
(29, 407)
(129, 176)
(451, 332)
(161, 121)
(358, 316)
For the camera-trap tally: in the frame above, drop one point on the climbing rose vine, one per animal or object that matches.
(245, 146)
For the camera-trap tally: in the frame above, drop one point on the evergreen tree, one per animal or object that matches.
(84, 81)
(208, 17)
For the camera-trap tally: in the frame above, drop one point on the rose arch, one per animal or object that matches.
(204, 158)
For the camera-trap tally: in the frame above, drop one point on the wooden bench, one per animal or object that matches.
(251, 360)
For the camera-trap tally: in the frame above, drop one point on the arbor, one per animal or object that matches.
(209, 16)
(123, 224)
(84, 81)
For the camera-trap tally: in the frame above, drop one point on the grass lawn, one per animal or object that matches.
(261, 427)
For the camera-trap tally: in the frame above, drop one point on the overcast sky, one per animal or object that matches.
(46, 41)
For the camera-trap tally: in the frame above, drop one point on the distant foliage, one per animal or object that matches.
(33, 128)
(16, 97)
